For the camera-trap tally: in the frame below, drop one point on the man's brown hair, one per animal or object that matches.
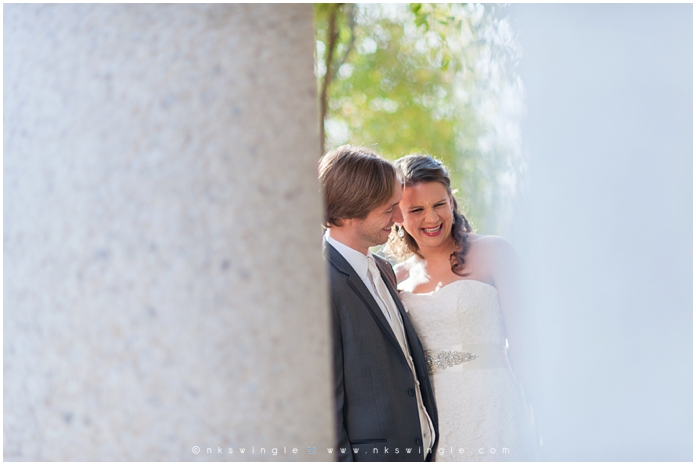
(355, 180)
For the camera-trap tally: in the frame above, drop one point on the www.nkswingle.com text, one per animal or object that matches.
(249, 452)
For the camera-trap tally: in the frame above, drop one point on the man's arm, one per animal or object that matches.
(339, 390)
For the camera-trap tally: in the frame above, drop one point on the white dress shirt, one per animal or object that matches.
(358, 261)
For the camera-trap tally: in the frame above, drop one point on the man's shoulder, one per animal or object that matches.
(335, 259)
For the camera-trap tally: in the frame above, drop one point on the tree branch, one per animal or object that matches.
(331, 39)
(351, 25)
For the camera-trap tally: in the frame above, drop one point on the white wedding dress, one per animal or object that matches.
(482, 412)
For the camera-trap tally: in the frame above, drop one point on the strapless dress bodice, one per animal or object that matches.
(481, 408)
(463, 312)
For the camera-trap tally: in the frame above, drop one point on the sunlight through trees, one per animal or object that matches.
(427, 78)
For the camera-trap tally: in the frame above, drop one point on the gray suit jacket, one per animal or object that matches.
(376, 408)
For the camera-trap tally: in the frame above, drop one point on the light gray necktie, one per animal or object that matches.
(383, 294)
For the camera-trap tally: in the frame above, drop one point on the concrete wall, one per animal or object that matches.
(163, 281)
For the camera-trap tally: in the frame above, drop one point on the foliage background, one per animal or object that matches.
(428, 78)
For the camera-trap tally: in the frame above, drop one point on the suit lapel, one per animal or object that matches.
(413, 342)
(388, 278)
(357, 284)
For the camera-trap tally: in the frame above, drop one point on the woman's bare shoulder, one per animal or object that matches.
(497, 253)
(493, 250)
(490, 243)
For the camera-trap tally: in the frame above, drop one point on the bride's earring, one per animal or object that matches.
(400, 231)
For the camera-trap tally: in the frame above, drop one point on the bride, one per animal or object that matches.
(459, 289)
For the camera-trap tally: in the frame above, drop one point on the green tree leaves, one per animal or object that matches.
(424, 78)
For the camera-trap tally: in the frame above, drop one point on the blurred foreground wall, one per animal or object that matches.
(163, 282)
(608, 218)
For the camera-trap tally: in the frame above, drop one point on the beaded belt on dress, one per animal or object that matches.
(469, 357)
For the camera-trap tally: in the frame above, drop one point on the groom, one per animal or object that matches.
(385, 410)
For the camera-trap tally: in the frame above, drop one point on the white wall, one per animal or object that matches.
(606, 227)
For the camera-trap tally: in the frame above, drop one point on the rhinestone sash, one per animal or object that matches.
(469, 357)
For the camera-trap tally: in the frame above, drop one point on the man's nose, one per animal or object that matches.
(397, 216)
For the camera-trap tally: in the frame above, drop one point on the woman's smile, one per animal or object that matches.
(432, 232)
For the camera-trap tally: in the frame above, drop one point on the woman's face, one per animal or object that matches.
(427, 210)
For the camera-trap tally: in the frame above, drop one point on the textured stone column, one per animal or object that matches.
(163, 279)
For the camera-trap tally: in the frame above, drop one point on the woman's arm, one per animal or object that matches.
(505, 271)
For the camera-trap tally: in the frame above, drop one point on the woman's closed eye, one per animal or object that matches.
(420, 209)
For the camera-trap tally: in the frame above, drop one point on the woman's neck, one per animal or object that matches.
(435, 254)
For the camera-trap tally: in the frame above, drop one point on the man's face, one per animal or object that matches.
(375, 228)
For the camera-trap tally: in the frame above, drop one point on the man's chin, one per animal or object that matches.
(379, 239)
(383, 238)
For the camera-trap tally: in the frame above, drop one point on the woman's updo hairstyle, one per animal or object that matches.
(417, 169)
